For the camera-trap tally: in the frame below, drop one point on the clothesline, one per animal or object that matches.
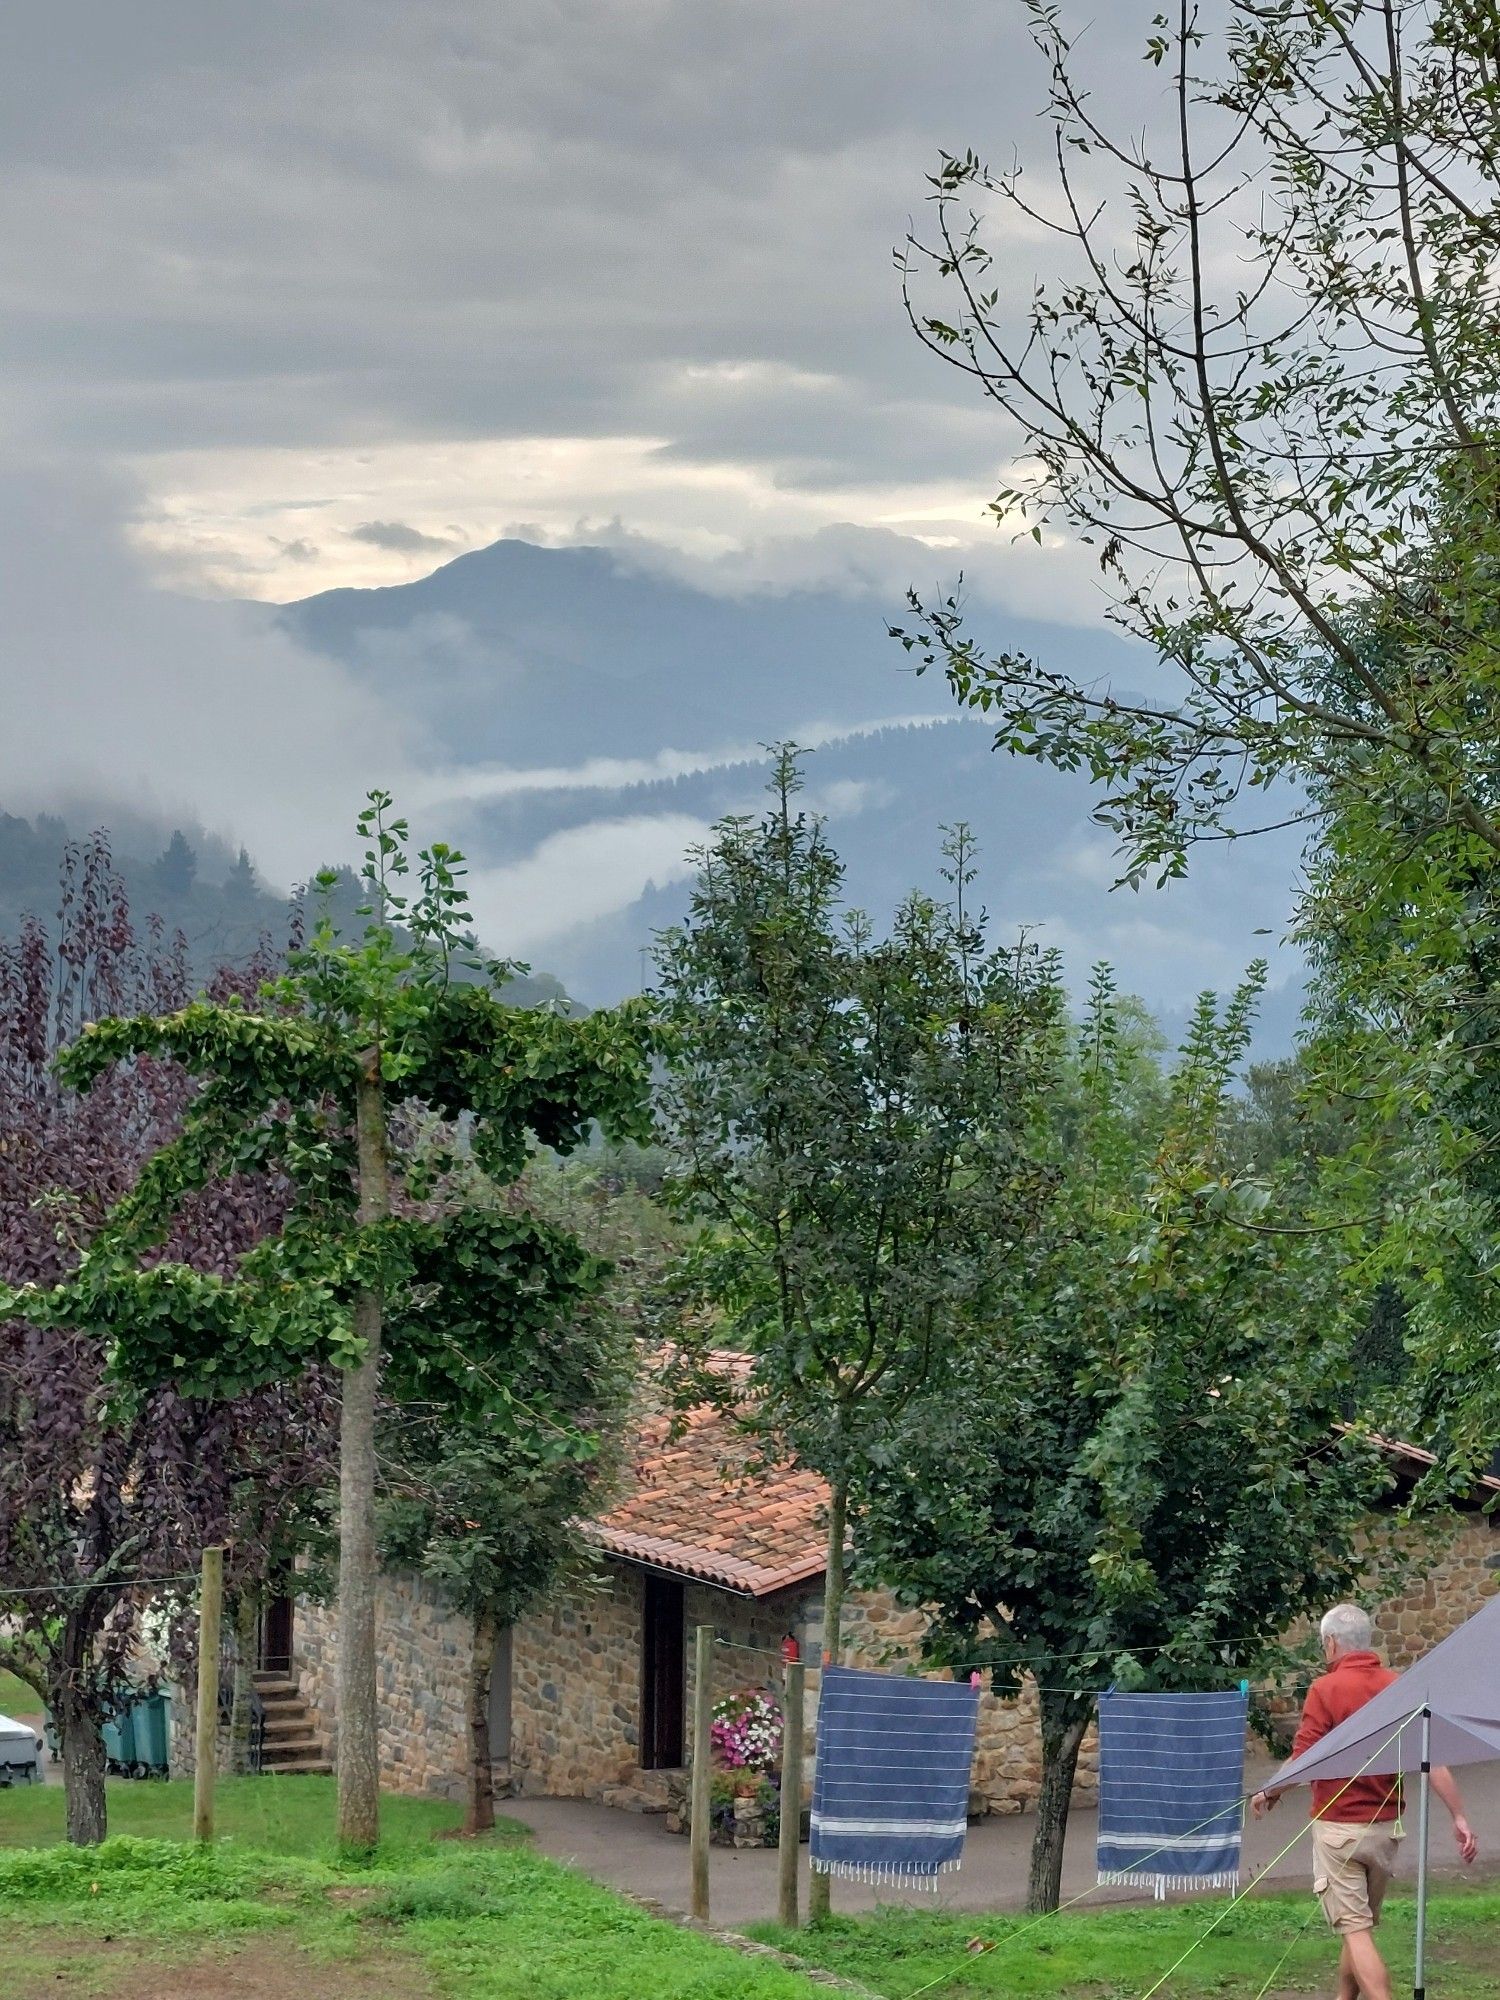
(97, 1583)
(964, 1666)
(1093, 1889)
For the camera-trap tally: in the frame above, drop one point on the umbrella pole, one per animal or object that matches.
(1424, 1803)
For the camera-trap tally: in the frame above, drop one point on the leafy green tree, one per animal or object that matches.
(493, 1513)
(848, 1115)
(1133, 1477)
(1291, 1126)
(1402, 925)
(1281, 1122)
(1252, 460)
(1290, 481)
(371, 1270)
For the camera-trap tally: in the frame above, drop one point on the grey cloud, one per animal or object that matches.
(400, 537)
(298, 551)
(175, 703)
(376, 219)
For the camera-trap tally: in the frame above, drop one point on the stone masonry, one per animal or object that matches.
(576, 1671)
(575, 1681)
(422, 1658)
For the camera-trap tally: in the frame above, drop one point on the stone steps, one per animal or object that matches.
(643, 1792)
(291, 1744)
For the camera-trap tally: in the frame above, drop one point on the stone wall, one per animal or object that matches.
(576, 1669)
(575, 1680)
(422, 1657)
(576, 1689)
(747, 1639)
(1459, 1570)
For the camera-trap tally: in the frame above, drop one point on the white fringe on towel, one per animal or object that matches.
(1121, 1878)
(885, 1874)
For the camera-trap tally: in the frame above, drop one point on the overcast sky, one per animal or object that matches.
(345, 286)
(311, 292)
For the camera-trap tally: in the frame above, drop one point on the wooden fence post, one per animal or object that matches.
(206, 1738)
(790, 1839)
(700, 1809)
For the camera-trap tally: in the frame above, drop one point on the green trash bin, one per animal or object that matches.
(149, 1717)
(120, 1753)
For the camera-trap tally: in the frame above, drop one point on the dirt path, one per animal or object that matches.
(259, 1968)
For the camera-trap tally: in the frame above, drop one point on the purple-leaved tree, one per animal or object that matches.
(106, 1501)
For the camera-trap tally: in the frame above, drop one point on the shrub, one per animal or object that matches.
(727, 1786)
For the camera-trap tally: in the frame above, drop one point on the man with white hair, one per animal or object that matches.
(1355, 1821)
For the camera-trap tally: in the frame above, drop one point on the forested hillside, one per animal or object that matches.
(185, 880)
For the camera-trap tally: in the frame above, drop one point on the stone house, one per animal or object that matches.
(592, 1696)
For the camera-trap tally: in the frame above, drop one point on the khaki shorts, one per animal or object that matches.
(1352, 1869)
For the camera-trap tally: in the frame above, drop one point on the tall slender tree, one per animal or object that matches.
(306, 1083)
(848, 1115)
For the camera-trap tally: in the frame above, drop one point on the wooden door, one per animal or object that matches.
(663, 1673)
(276, 1636)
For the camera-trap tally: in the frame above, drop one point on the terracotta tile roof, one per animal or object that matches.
(1414, 1454)
(695, 1509)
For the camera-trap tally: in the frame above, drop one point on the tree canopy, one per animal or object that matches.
(1134, 1474)
(1262, 385)
(1263, 389)
(104, 1509)
(848, 1117)
(370, 1268)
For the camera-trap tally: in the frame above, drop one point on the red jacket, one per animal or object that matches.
(1332, 1699)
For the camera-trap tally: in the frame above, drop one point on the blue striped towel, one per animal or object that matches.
(1171, 1789)
(891, 1784)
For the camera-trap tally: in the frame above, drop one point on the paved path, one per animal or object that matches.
(634, 1852)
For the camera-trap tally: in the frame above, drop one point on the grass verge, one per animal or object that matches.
(1118, 1954)
(16, 1698)
(486, 1920)
(275, 1814)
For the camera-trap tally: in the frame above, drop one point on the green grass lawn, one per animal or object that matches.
(277, 1815)
(486, 1920)
(1118, 1954)
(16, 1698)
(432, 1919)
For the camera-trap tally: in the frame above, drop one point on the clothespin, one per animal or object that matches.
(974, 1678)
(1244, 1687)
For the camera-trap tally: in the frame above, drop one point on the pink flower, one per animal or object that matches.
(746, 1732)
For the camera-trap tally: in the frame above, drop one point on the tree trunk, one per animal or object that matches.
(357, 1713)
(480, 1816)
(819, 1899)
(245, 1618)
(82, 1744)
(1065, 1721)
